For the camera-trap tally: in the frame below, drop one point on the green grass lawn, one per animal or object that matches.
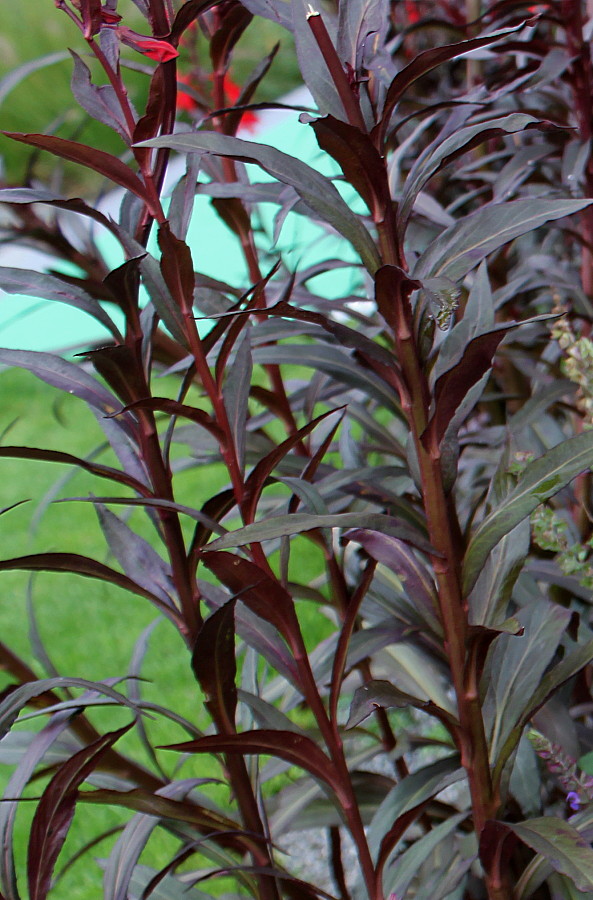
(89, 629)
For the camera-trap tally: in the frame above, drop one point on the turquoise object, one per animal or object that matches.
(29, 323)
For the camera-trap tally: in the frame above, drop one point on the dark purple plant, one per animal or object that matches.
(437, 423)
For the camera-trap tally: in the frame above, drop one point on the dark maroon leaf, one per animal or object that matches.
(83, 565)
(232, 26)
(103, 163)
(68, 459)
(423, 63)
(256, 589)
(119, 367)
(297, 749)
(91, 16)
(454, 384)
(177, 267)
(214, 665)
(55, 812)
(188, 13)
(255, 632)
(361, 163)
(147, 126)
(259, 474)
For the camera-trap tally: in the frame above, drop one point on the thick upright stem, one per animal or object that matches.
(443, 530)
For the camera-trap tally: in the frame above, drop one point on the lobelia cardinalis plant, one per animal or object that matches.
(370, 628)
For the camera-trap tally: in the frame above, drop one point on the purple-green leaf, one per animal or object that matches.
(55, 812)
(542, 478)
(560, 843)
(461, 247)
(313, 188)
(101, 162)
(378, 694)
(294, 748)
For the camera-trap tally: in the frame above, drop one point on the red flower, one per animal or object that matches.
(232, 92)
(412, 12)
(187, 103)
(109, 16)
(155, 48)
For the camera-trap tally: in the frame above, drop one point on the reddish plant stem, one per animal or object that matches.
(443, 528)
(336, 70)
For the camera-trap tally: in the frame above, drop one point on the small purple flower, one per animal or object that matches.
(573, 800)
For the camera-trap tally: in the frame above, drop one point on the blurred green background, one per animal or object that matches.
(88, 628)
(42, 101)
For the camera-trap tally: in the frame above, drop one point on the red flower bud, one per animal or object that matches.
(155, 48)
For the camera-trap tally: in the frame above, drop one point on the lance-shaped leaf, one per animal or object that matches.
(296, 749)
(379, 694)
(424, 62)
(70, 460)
(99, 101)
(156, 286)
(63, 375)
(461, 247)
(409, 862)
(572, 663)
(560, 843)
(55, 812)
(12, 704)
(103, 163)
(335, 363)
(409, 794)
(453, 385)
(542, 478)
(434, 158)
(30, 195)
(256, 589)
(48, 287)
(83, 565)
(313, 188)
(27, 763)
(297, 523)
(262, 470)
(358, 158)
(516, 664)
(236, 394)
(256, 632)
(214, 665)
(397, 556)
(177, 267)
(168, 802)
(135, 555)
